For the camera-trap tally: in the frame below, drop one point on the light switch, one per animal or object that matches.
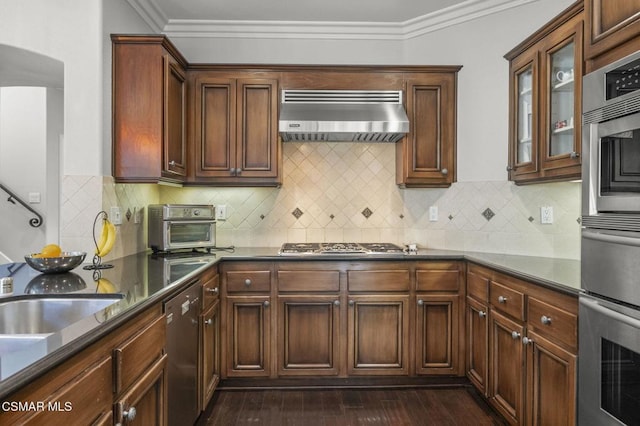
(546, 214)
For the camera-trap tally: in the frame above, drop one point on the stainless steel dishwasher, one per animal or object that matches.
(182, 349)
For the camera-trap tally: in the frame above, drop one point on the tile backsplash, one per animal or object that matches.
(346, 192)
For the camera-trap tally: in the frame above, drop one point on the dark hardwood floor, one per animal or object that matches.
(341, 407)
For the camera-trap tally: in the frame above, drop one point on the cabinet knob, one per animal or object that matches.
(232, 171)
(351, 303)
(420, 302)
(482, 314)
(336, 303)
(172, 163)
(502, 299)
(526, 341)
(545, 320)
(266, 304)
(515, 335)
(130, 414)
(247, 282)
(209, 321)
(238, 171)
(214, 290)
(574, 154)
(509, 168)
(445, 171)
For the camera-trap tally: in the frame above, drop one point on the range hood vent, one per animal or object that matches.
(342, 116)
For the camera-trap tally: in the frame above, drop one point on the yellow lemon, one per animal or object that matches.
(51, 250)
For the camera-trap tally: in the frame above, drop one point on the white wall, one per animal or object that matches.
(23, 165)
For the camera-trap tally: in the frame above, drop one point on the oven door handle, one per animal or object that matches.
(593, 304)
(611, 238)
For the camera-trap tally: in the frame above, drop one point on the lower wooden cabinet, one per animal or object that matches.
(308, 335)
(521, 347)
(378, 335)
(209, 353)
(437, 334)
(145, 403)
(248, 331)
(477, 338)
(551, 382)
(506, 356)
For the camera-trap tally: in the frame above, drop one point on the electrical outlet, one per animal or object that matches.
(115, 216)
(137, 215)
(433, 213)
(546, 214)
(221, 212)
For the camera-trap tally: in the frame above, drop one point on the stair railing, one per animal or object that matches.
(34, 221)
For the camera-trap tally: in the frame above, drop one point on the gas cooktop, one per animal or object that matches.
(301, 249)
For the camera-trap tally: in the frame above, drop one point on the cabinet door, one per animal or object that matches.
(308, 329)
(258, 151)
(507, 367)
(523, 146)
(145, 403)
(551, 383)
(561, 130)
(437, 333)
(209, 353)
(426, 156)
(174, 156)
(477, 344)
(378, 335)
(248, 336)
(215, 129)
(609, 24)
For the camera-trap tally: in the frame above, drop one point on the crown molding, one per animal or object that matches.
(338, 30)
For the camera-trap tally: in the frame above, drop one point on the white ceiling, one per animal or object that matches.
(375, 19)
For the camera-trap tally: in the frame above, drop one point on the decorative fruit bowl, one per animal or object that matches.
(55, 265)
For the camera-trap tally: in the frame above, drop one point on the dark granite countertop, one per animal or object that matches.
(144, 280)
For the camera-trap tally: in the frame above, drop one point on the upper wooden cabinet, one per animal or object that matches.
(149, 110)
(545, 102)
(235, 130)
(426, 157)
(612, 30)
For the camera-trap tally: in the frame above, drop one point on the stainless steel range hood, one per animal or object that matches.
(342, 116)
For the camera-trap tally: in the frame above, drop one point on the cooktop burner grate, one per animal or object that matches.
(339, 248)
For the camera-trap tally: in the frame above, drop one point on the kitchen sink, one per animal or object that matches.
(49, 315)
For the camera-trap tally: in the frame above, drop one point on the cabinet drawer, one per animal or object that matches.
(134, 356)
(554, 323)
(437, 280)
(507, 300)
(210, 291)
(382, 280)
(308, 281)
(477, 286)
(248, 281)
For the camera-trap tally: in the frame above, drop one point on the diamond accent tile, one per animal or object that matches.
(450, 217)
(367, 212)
(297, 213)
(488, 214)
(531, 219)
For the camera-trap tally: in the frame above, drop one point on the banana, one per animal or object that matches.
(103, 236)
(105, 286)
(110, 241)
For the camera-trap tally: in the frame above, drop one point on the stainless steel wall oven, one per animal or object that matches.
(609, 325)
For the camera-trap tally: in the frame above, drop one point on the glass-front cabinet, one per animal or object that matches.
(545, 102)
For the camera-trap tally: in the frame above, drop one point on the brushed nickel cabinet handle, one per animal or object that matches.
(515, 335)
(266, 303)
(545, 320)
(482, 314)
(420, 302)
(445, 171)
(214, 290)
(351, 303)
(238, 171)
(247, 282)
(502, 299)
(527, 341)
(336, 303)
(574, 154)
